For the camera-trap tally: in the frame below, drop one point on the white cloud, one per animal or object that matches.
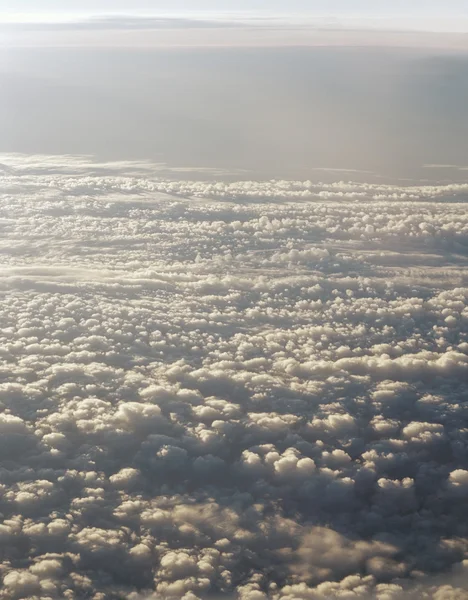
(260, 399)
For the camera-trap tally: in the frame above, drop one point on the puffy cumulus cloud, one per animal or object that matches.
(243, 390)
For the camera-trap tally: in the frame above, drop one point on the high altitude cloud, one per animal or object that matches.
(203, 395)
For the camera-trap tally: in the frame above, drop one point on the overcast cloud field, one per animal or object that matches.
(233, 317)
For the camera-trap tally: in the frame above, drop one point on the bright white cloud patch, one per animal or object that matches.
(248, 390)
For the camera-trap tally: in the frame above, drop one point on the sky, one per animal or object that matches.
(416, 7)
(373, 87)
(400, 12)
(233, 300)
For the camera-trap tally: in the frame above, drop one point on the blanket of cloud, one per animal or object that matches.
(230, 390)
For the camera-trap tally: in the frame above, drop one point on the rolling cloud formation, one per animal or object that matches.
(243, 390)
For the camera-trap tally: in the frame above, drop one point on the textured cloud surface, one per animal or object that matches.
(243, 390)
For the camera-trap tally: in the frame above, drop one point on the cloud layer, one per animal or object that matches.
(243, 390)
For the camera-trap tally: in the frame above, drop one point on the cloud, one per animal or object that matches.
(251, 390)
(235, 28)
(110, 22)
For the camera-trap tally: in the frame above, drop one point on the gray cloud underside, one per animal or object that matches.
(244, 390)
